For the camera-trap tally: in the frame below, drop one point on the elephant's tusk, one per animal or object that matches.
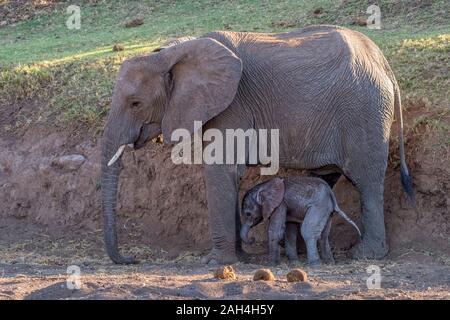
(117, 155)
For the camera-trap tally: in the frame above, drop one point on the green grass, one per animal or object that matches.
(71, 72)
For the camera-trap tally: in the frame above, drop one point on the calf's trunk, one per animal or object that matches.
(244, 234)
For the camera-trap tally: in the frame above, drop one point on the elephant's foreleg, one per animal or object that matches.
(242, 255)
(222, 198)
(276, 231)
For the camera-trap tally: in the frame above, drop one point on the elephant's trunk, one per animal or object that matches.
(244, 234)
(109, 183)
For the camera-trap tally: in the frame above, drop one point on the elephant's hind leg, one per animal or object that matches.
(368, 178)
(324, 244)
(373, 244)
(311, 229)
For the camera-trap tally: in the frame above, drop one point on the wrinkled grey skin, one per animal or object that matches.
(288, 203)
(329, 91)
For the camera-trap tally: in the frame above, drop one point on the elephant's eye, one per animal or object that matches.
(248, 214)
(135, 104)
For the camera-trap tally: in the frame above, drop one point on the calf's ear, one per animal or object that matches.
(270, 196)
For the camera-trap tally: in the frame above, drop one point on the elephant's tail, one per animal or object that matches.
(343, 214)
(404, 173)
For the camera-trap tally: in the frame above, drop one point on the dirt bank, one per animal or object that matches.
(50, 180)
(50, 218)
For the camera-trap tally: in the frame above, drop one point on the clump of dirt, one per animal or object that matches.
(263, 275)
(297, 275)
(318, 11)
(118, 47)
(133, 23)
(225, 273)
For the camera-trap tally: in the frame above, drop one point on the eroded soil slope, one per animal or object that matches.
(50, 180)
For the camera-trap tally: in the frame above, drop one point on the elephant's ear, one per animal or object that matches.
(270, 196)
(205, 77)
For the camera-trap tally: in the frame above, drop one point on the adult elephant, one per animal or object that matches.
(329, 91)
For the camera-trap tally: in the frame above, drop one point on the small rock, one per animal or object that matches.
(264, 275)
(225, 273)
(297, 275)
(118, 47)
(69, 162)
(134, 23)
(318, 11)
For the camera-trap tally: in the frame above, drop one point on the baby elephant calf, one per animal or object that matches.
(286, 203)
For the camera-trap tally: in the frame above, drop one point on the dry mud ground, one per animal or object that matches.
(36, 267)
(401, 279)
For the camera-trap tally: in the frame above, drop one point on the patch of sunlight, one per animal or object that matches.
(130, 50)
(438, 42)
(27, 69)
